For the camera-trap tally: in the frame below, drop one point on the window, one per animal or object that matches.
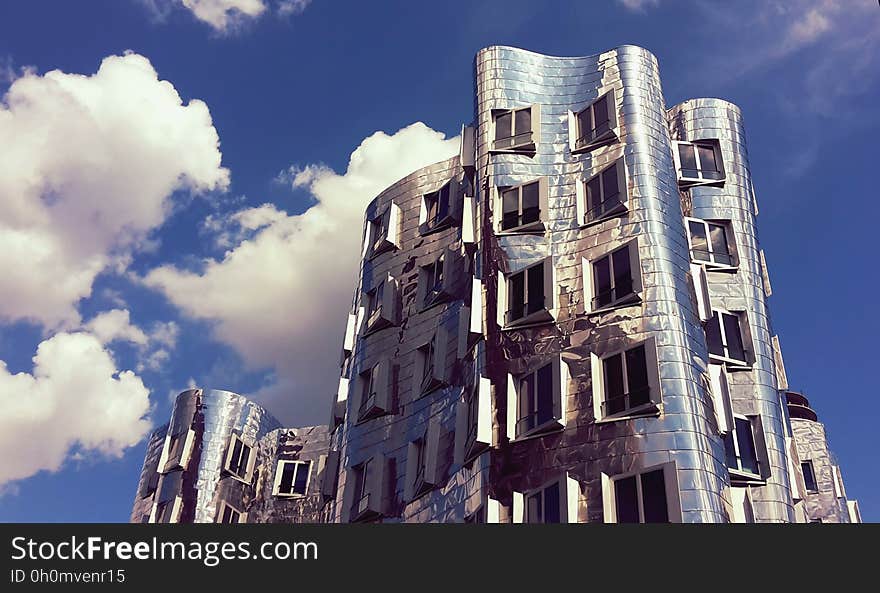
(367, 489)
(229, 514)
(626, 383)
(613, 280)
(604, 195)
(239, 459)
(430, 369)
(168, 511)
(744, 449)
(375, 388)
(699, 162)
(529, 295)
(522, 208)
(422, 463)
(382, 231)
(648, 496)
(379, 305)
(537, 400)
(513, 128)
(725, 338)
(436, 280)
(556, 502)
(473, 422)
(437, 205)
(710, 243)
(809, 476)
(291, 478)
(595, 124)
(178, 451)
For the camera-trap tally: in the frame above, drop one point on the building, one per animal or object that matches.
(819, 489)
(224, 459)
(566, 322)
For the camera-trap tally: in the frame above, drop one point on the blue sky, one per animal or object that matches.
(169, 219)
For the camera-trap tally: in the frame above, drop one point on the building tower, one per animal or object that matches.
(568, 321)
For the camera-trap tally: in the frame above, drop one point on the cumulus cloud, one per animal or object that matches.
(91, 172)
(74, 402)
(113, 325)
(281, 294)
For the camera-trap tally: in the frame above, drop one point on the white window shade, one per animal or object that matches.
(468, 225)
(701, 289)
(473, 435)
(329, 479)
(350, 332)
(781, 376)
(720, 388)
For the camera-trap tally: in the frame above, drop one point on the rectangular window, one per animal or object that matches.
(292, 478)
(543, 506)
(430, 369)
(168, 511)
(614, 279)
(626, 383)
(438, 207)
(436, 280)
(513, 128)
(725, 337)
(374, 386)
(596, 123)
(699, 162)
(649, 496)
(710, 243)
(741, 449)
(229, 514)
(422, 462)
(375, 299)
(366, 489)
(604, 194)
(361, 490)
(529, 295)
(379, 305)
(523, 208)
(537, 400)
(433, 278)
(178, 452)
(809, 476)
(239, 459)
(473, 421)
(382, 231)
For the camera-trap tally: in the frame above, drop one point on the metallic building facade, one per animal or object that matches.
(567, 322)
(190, 474)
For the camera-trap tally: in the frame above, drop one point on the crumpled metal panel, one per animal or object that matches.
(754, 392)
(149, 480)
(685, 432)
(390, 435)
(812, 444)
(215, 415)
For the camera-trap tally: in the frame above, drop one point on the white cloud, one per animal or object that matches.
(115, 324)
(75, 401)
(223, 14)
(90, 174)
(280, 296)
(638, 5)
(226, 16)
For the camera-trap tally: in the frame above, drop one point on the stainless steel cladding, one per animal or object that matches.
(819, 480)
(567, 322)
(223, 458)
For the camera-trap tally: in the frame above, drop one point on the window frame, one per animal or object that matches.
(221, 512)
(608, 137)
(158, 510)
(454, 204)
(377, 401)
(583, 194)
(730, 241)
(382, 232)
(569, 499)
(529, 146)
(379, 312)
(429, 292)
(654, 405)
(537, 227)
(738, 475)
(423, 462)
(713, 143)
(537, 317)
(428, 356)
(279, 473)
(172, 461)
(227, 459)
(560, 375)
(671, 487)
(473, 421)
(590, 285)
(367, 499)
(745, 337)
(809, 463)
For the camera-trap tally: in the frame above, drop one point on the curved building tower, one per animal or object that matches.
(568, 321)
